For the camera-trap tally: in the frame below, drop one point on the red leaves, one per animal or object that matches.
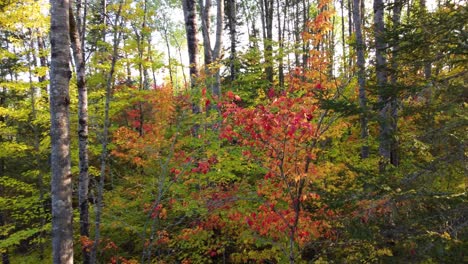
(233, 97)
(203, 167)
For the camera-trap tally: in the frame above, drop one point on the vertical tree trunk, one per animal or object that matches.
(343, 39)
(360, 48)
(212, 54)
(232, 23)
(350, 31)
(381, 73)
(266, 7)
(190, 17)
(280, 43)
(61, 182)
(427, 63)
(397, 7)
(83, 186)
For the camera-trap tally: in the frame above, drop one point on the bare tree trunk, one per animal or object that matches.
(61, 182)
(427, 64)
(266, 7)
(168, 47)
(232, 17)
(360, 49)
(397, 7)
(280, 43)
(190, 16)
(343, 39)
(381, 72)
(212, 54)
(83, 187)
(350, 32)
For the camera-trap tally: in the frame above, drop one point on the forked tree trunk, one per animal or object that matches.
(61, 182)
(212, 54)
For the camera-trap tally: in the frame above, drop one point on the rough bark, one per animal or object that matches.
(232, 24)
(190, 17)
(397, 7)
(360, 48)
(381, 73)
(83, 185)
(61, 181)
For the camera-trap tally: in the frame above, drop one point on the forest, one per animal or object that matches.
(233, 131)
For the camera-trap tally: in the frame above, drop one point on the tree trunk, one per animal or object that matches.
(381, 73)
(190, 16)
(350, 32)
(83, 186)
(232, 17)
(266, 7)
(360, 49)
(61, 181)
(280, 43)
(212, 54)
(397, 7)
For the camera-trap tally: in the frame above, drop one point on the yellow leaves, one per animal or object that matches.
(24, 15)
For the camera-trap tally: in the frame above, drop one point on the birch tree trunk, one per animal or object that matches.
(61, 182)
(83, 186)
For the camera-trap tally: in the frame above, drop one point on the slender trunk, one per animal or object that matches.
(179, 50)
(427, 63)
(360, 49)
(212, 54)
(83, 186)
(266, 7)
(397, 7)
(232, 16)
(61, 181)
(350, 32)
(281, 45)
(168, 47)
(343, 39)
(105, 134)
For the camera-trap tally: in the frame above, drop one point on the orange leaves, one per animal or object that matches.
(143, 133)
(86, 243)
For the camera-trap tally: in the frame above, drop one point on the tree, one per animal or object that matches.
(190, 16)
(212, 54)
(61, 181)
(79, 57)
(360, 49)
